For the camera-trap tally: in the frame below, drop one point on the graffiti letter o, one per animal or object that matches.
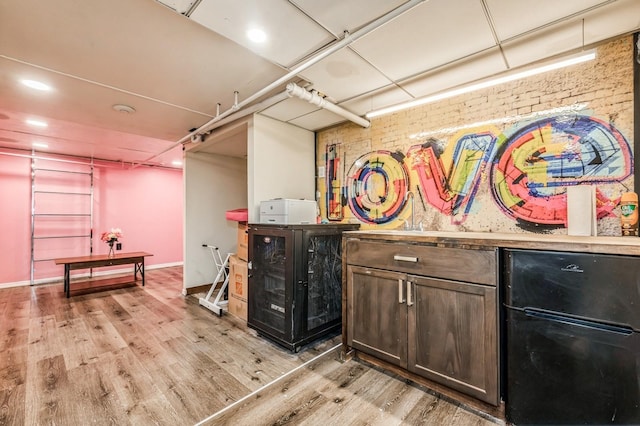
(376, 186)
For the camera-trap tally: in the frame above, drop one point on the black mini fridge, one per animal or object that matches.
(295, 281)
(573, 338)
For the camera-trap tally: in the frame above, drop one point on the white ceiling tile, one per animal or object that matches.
(432, 34)
(480, 66)
(291, 35)
(81, 139)
(551, 41)
(318, 120)
(163, 56)
(174, 70)
(343, 75)
(94, 107)
(339, 16)
(519, 16)
(289, 109)
(616, 18)
(386, 96)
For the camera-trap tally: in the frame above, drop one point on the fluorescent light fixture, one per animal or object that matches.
(177, 163)
(38, 85)
(39, 145)
(482, 85)
(36, 123)
(257, 35)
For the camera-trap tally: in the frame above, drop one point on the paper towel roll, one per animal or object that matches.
(581, 210)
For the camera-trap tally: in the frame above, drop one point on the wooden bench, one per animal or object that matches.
(101, 260)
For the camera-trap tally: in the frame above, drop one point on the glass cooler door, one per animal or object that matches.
(324, 287)
(269, 297)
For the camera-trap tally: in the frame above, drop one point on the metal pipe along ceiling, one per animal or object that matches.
(348, 39)
(315, 99)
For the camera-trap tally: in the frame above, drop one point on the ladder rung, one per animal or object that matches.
(61, 214)
(51, 259)
(61, 193)
(61, 236)
(63, 171)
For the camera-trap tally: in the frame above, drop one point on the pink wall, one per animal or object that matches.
(146, 203)
(15, 219)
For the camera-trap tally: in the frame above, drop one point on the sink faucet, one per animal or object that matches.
(413, 202)
(412, 226)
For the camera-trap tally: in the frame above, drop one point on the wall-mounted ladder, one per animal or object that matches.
(61, 211)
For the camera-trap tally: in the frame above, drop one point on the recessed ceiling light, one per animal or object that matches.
(36, 123)
(126, 109)
(176, 163)
(256, 35)
(38, 85)
(39, 145)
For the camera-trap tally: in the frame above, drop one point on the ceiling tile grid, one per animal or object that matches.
(175, 61)
(339, 16)
(344, 75)
(434, 33)
(512, 18)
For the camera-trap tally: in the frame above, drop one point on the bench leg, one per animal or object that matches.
(139, 267)
(67, 282)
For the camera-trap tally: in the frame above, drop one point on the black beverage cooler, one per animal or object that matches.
(295, 281)
(573, 338)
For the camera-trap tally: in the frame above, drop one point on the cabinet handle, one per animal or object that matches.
(405, 258)
(409, 293)
(400, 299)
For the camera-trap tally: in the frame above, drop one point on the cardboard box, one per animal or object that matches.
(243, 241)
(237, 308)
(238, 287)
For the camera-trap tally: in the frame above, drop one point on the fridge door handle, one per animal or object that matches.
(594, 325)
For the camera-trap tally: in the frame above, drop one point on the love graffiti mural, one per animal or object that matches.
(528, 168)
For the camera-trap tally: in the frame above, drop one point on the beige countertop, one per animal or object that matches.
(606, 245)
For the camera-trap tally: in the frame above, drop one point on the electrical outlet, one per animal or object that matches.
(320, 171)
(118, 246)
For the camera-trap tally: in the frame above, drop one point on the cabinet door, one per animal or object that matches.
(452, 333)
(377, 313)
(271, 282)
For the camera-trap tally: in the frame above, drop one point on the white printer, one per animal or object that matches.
(284, 211)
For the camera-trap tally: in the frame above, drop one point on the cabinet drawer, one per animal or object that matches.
(470, 265)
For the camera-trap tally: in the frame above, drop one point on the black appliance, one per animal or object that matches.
(573, 338)
(295, 281)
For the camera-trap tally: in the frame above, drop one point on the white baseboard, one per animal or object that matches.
(96, 273)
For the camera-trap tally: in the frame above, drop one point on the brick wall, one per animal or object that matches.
(471, 196)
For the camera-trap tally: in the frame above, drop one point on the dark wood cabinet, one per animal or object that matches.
(452, 332)
(430, 310)
(374, 314)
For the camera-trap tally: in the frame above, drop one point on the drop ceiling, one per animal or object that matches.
(180, 63)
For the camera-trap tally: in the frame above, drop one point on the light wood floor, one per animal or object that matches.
(150, 356)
